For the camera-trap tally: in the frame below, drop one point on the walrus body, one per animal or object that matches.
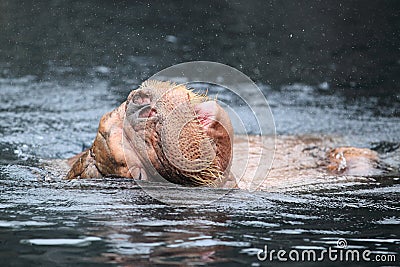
(305, 162)
(165, 130)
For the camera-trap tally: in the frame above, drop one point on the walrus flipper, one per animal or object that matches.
(84, 167)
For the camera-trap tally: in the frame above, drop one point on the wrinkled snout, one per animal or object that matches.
(182, 136)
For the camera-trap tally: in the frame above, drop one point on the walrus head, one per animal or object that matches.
(161, 129)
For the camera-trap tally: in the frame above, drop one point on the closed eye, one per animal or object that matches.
(147, 112)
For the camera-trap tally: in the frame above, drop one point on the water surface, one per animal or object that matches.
(326, 69)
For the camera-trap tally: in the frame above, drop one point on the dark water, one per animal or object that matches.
(330, 69)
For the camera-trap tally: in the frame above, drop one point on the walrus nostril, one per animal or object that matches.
(141, 98)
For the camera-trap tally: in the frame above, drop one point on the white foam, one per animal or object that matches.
(79, 242)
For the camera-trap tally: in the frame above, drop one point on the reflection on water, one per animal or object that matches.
(114, 221)
(326, 69)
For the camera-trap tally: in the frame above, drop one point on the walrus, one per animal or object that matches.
(164, 129)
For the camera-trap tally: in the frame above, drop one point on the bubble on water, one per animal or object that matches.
(102, 69)
(78, 242)
(171, 39)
